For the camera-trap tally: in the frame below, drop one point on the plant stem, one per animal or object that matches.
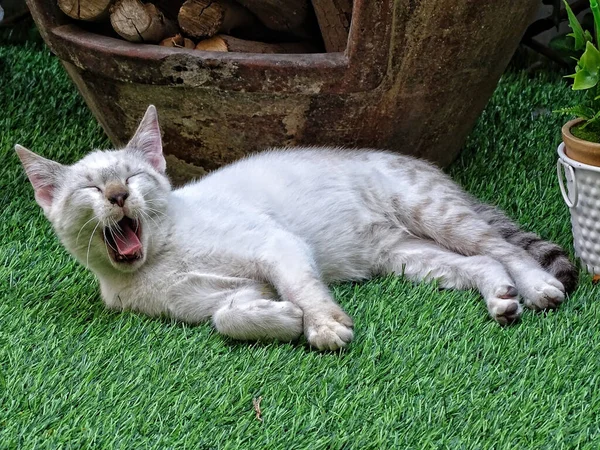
(596, 12)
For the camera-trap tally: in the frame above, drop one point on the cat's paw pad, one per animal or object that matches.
(505, 307)
(329, 332)
(544, 292)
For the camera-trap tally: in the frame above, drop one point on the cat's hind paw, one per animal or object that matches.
(505, 308)
(329, 332)
(542, 291)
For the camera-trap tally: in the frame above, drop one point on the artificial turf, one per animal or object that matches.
(427, 369)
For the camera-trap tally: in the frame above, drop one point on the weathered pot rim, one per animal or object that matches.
(577, 149)
(309, 73)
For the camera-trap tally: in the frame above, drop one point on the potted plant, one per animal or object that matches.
(579, 153)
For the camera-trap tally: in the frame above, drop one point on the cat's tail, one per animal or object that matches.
(550, 255)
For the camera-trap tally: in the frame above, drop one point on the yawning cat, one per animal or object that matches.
(253, 245)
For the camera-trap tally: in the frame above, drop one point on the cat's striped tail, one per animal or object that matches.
(550, 255)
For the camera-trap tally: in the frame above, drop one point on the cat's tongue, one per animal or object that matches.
(127, 241)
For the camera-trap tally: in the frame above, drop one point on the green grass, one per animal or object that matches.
(428, 369)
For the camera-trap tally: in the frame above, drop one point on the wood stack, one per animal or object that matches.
(254, 26)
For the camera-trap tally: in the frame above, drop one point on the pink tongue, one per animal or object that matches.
(127, 241)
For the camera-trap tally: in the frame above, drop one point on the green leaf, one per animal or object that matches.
(578, 34)
(587, 70)
(584, 80)
(581, 111)
(563, 45)
(562, 42)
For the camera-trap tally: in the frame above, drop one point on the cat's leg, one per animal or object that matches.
(240, 308)
(418, 260)
(245, 318)
(549, 255)
(288, 265)
(450, 220)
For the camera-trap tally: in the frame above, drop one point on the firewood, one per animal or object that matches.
(205, 18)
(280, 15)
(334, 18)
(224, 43)
(139, 22)
(90, 10)
(170, 8)
(177, 41)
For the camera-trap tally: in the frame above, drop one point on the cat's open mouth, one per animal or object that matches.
(124, 240)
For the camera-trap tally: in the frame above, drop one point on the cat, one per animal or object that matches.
(253, 245)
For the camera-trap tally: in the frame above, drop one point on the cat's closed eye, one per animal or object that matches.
(131, 176)
(92, 187)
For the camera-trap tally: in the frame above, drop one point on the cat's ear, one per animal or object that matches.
(147, 140)
(43, 174)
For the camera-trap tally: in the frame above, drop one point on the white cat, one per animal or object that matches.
(253, 245)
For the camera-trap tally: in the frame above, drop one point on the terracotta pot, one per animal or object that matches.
(415, 76)
(583, 151)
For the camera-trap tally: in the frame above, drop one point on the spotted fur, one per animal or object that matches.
(550, 255)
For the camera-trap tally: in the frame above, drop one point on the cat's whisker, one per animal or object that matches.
(82, 227)
(87, 257)
(154, 200)
(108, 244)
(107, 253)
(148, 216)
(157, 213)
(117, 230)
(145, 214)
(154, 210)
(112, 234)
(116, 227)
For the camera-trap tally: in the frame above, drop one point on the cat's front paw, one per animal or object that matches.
(329, 330)
(540, 291)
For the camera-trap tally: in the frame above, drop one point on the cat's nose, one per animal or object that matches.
(117, 194)
(119, 198)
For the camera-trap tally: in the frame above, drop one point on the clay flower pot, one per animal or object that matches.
(414, 78)
(579, 164)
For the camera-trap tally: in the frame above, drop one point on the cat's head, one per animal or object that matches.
(108, 207)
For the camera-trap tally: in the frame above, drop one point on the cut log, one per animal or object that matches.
(139, 22)
(224, 43)
(170, 8)
(177, 41)
(280, 15)
(205, 18)
(334, 17)
(90, 10)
